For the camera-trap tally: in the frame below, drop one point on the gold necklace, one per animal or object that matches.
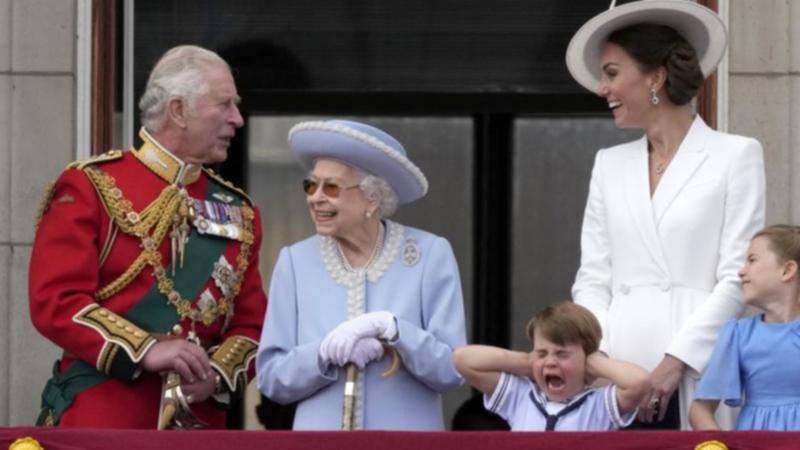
(661, 166)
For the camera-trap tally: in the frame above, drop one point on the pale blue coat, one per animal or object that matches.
(305, 303)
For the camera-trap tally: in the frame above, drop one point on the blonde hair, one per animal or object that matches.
(567, 323)
(784, 240)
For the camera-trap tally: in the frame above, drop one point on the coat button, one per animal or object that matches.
(625, 289)
(665, 286)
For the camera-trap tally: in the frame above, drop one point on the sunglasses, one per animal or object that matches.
(330, 189)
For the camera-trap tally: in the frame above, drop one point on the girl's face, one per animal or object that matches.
(625, 87)
(762, 274)
(559, 370)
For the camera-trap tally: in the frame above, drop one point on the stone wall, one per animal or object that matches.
(37, 129)
(764, 97)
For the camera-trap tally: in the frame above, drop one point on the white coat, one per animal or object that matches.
(661, 272)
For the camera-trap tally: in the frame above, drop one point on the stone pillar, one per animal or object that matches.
(37, 129)
(793, 122)
(764, 62)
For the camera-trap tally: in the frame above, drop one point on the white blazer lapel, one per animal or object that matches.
(687, 159)
(637, 195)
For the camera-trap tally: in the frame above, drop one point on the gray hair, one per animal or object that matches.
(376, 188)
(179, 73)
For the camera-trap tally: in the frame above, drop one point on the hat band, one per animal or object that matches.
(366, 139)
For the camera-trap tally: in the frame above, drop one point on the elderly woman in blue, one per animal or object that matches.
(363, 294)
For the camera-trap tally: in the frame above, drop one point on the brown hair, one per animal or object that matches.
(784, 240)
(567, 323)
(653, 46)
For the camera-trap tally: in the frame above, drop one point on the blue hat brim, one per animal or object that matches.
(364, 147)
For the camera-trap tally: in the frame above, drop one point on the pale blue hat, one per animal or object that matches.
(362, 146)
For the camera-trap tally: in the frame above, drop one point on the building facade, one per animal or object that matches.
(44, 64)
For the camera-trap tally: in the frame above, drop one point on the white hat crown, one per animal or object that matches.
(700, 26)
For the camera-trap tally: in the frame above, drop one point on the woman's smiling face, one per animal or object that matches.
(625, 87)
(338, 216)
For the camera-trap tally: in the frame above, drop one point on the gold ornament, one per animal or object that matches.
(711, 445)
(25, 443)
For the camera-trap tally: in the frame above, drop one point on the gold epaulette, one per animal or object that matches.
(81, 164)
(50, 190)
(215, 176)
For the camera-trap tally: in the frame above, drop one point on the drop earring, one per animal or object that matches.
(654, 97)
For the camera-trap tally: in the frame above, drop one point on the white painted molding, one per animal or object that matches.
(83, 80)
(723, 76)
(128, 106)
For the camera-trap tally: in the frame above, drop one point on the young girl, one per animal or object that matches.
(756, 360)
(558, 397)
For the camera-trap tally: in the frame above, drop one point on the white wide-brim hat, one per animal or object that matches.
(362, 146)
(700, 26)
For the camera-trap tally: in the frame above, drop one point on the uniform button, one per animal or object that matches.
(625, 289)
(665, 286)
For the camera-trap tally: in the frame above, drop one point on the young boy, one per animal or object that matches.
(564, 360)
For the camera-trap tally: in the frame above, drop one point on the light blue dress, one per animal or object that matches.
(416, 278)
(757, 365)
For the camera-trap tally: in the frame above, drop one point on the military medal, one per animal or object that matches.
(219, 219)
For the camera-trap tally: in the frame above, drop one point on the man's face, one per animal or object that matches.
(213, 121)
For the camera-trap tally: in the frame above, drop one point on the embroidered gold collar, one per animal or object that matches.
(163, 163)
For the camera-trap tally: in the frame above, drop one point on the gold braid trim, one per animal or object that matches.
(49, 193)
(114, 329)
(232, 358)
(158, 214)
(161, 215)
(121, 209)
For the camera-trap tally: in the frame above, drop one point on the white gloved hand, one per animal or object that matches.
(365, 351)
(339, 343)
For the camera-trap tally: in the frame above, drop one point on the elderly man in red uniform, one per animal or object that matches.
(145, 265)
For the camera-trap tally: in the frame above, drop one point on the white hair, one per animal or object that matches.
(179, 73)
(376, 188)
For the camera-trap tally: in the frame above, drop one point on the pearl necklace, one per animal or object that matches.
(376, 250)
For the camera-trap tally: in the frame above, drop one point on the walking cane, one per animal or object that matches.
(348, 408)
(348, 411)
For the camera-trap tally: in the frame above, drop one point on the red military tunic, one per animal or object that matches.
(89, 269)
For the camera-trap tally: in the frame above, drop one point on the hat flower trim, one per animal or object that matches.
(369, 140)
